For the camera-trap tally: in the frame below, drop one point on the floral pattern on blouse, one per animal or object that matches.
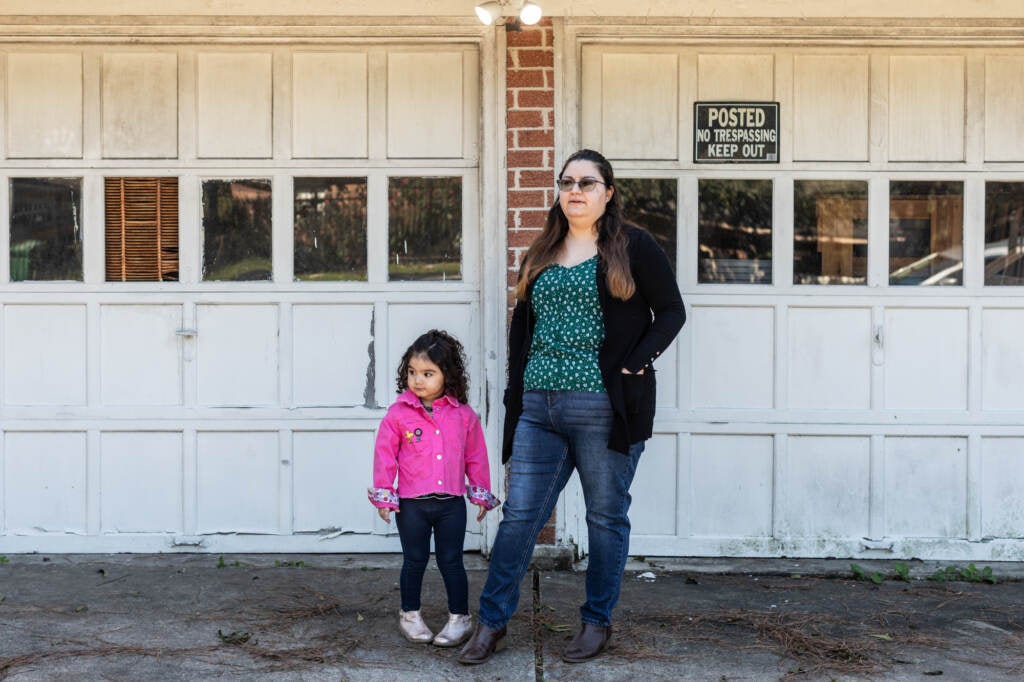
(569, 331)
(482, 496)
(383, 498)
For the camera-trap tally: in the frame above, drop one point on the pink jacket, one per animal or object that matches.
(430, 454)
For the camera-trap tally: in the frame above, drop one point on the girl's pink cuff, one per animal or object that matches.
(482, 496)
(382, 498)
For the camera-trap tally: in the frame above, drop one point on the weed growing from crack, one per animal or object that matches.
(901, 571)
(971, 574)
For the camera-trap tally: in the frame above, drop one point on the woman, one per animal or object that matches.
(596, 303)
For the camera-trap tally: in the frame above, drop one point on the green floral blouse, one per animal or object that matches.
(569, 330)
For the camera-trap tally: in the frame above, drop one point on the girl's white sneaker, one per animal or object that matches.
(456, 631)
(413, 628)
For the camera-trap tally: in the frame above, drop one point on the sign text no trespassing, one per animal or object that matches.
(736, 132)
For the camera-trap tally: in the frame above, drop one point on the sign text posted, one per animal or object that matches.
(736, 132)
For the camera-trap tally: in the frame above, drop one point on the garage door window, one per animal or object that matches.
(141, 229)
(330, 229)
(926, 233)
(425, 228)
(1004, 233)
(830, 232)
(46, 229)
(735, 231)
(651, 204)
(236, 230)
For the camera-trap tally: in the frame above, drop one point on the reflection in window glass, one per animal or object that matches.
(236, 230)
(330, 229)
(651, 204)
(735, 231)
(46, 231)
(926, 233)
(425, 229)
(1004, 233)
(830, 232)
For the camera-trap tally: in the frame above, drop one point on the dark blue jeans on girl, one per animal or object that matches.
(445, 518)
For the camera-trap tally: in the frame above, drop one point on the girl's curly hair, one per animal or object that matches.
(445, 351)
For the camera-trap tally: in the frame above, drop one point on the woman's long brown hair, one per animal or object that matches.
(611, 237)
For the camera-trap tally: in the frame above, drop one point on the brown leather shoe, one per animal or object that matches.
(588, 643)
(482, 645)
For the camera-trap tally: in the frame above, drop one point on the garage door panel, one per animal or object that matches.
(45, 354)
(736, 77)
(237, 482)
(733, 356)
(830, 107)
(827, 479)
(330, 105)
(331, 354)
(44, 105)
(731, 485)
(1002, 359)
(237, 355)
(141, 476)
(425, 105)
(140, 363)
(927, 96)
(1004, 102)
(1002, 480)
(44, 480)
(829, 358)
(332, 470)
(925, 358)
(140, 105)
(925, 487)
(640, 106)
(234, 112)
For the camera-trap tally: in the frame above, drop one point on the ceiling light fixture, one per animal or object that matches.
(493, 12)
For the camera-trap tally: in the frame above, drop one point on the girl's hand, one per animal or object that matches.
(626, 371)
(483, 512)
(385, 514)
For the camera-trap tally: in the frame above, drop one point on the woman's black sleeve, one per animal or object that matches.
(656, 283)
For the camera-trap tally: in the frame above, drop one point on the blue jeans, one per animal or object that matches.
(560, 431)
(416, 519)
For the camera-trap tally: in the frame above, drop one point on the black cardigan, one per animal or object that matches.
(637, 331)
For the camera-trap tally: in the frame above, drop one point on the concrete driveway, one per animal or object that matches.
(333, 617)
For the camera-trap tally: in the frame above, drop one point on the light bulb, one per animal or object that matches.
(530, 14)
(488, 12)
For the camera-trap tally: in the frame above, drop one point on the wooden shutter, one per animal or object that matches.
(141, 229)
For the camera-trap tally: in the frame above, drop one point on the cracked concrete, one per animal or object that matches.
(331, 617)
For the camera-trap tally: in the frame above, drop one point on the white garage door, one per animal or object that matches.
(848, 381)
(211, 261)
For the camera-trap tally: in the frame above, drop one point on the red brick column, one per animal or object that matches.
(530, 122)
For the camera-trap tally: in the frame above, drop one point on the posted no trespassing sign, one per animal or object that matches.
(736, 132)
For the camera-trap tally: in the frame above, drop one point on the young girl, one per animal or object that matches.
(433, 441)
